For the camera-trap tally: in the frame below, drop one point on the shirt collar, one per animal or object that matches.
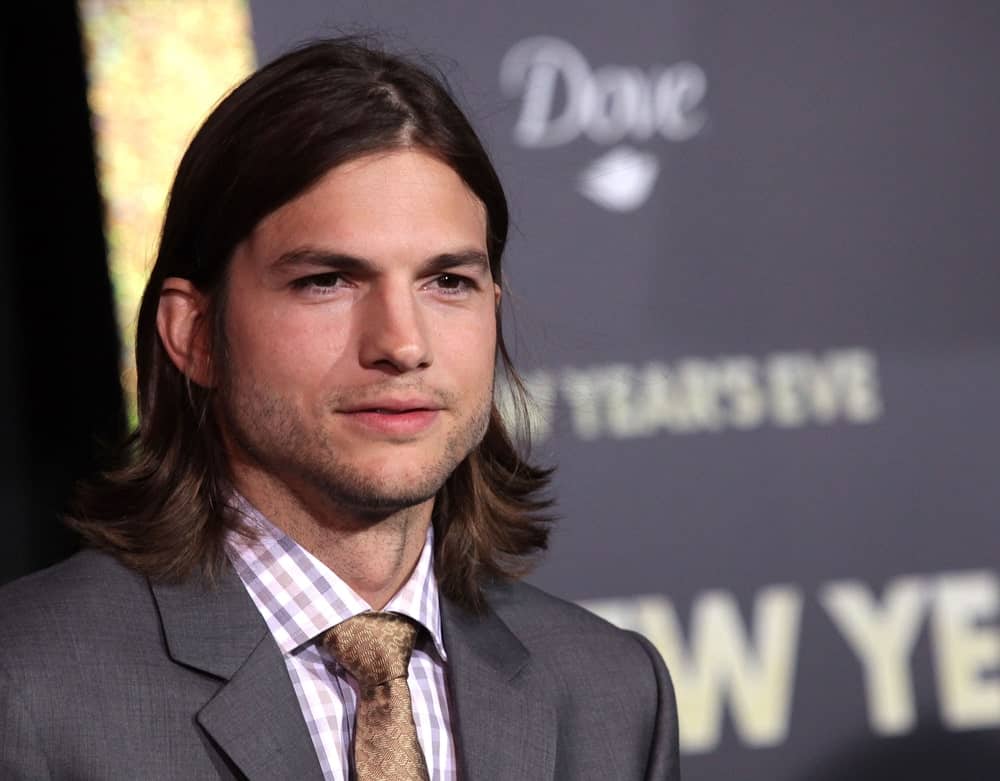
(300, 597)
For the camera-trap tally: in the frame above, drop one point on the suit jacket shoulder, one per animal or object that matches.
(88, 685)
(604, 692)
(87, 596)
(57, 626)
(580, 645)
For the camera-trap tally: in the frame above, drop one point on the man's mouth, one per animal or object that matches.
(398, 417)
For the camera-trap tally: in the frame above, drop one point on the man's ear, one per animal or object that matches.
(182, 322)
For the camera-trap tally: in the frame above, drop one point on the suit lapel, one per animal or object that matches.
(503, 730)
(255, 717)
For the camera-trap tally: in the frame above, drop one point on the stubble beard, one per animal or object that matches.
(266, 428)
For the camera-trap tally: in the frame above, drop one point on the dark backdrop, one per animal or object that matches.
(59, 388)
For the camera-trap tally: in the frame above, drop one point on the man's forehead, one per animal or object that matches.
(389, 201)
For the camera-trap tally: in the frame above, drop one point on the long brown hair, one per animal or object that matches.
(164, 509)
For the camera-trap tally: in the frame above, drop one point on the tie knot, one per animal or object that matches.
(373, 647)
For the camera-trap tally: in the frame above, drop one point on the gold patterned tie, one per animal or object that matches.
(375, 648)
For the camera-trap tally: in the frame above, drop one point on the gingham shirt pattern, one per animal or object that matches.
(300, 598)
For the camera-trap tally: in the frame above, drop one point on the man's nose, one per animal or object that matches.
(393, 332)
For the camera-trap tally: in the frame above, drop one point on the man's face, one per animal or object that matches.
(361, 335)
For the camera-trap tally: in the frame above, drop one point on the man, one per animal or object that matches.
(320, 478)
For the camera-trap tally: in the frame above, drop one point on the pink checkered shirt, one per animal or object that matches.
(300, 598)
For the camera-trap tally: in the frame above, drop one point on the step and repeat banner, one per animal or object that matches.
(755, 291)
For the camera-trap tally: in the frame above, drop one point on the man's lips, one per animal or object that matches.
(394, 417)
(393, 406)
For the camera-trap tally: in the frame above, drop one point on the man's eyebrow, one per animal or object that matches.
(310, 256)
(450, 260)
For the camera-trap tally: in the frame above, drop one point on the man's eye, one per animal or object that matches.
(320, 282)
(454, 283)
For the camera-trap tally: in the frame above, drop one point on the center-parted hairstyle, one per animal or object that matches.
(164, 510)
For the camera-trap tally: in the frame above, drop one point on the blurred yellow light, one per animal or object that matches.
(156, 68)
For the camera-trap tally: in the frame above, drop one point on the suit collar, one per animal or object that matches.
(254, 717)
(210, 628)
(503, 730)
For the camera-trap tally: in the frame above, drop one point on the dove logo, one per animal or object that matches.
(563, 99)
(620, 180)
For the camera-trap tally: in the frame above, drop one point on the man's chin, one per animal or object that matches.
(383, 495)
(384, 503)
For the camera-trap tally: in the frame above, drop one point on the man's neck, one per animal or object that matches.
(375, 556)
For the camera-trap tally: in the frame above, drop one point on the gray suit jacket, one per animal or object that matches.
(106, 676)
